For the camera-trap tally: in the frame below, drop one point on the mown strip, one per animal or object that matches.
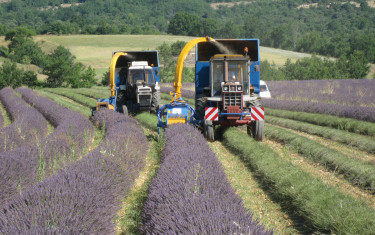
(357, 172)
(94, 92)
(5, 119)
(268, 212)
(360, 142)
(85, 111)
(72, 94)
(324, 208)
(348, 124)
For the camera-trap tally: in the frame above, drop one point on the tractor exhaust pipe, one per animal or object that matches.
(225, 70)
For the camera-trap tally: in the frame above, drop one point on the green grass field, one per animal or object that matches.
(96, 50)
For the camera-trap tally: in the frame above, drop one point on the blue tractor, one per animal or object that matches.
(134, 82)
(227, 86)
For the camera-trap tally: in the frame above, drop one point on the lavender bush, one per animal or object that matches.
(28, 126)
(83, 198)
(351, 92)
(26, 165)
(356, 112)
(190, 194)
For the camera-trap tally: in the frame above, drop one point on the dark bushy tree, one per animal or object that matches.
(62, 71)
(14, 77)
(183, 24)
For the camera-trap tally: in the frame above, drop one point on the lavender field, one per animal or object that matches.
(64, 172)
(350, 98)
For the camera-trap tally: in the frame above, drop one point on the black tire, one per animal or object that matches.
(250, 129)
(93, 111)
(155, 103)
(209, 131)
(258, 130)
(200, 105)
(125, 110)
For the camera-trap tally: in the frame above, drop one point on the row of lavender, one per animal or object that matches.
(190, 194)
(343, 98)
(351, 92)
(26, 165)
(84, 197)
(28, 126)
(355, 112)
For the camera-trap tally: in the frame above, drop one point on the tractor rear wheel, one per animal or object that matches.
(209, 130)
(258, 130)
(155, 103)
(200, 105)
(125, 110)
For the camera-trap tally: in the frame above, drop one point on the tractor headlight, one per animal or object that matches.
(239, 88)
(225, 88)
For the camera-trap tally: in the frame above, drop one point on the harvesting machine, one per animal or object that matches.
(134, 82)
(227, 83)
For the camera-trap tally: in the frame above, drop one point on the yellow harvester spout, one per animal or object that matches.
(180, 64)
(112, 71)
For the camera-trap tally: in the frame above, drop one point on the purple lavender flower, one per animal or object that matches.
(190, 194)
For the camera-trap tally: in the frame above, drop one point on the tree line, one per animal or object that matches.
(332, 28)
(59, 66)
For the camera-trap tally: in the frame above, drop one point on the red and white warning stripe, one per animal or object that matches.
(257, 113)
(211, 114)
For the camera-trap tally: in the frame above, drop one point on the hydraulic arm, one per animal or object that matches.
(180, 64)
(112, 71)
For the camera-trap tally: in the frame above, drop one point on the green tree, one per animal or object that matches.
(10, 75)
(18, 36)
(183, 24)
(358, 65)
(62, 71)
(269, 72)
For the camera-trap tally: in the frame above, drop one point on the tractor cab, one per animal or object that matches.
(229, 70)
(140, 73)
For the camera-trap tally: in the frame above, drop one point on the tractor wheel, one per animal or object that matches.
(93, 111)
(258, 130)
(209, 131)
(155, 103)
(200, 105)
(250, 129)
(125, 110)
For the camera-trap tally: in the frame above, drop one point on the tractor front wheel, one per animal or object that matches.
(155, 103)
(209, 130)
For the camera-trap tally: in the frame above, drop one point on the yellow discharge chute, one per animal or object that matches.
(180, 64)
(112, 71)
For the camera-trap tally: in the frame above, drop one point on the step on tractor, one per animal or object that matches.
(227, 86)
(134, 82)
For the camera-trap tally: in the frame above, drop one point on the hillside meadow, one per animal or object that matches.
(96, 50)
